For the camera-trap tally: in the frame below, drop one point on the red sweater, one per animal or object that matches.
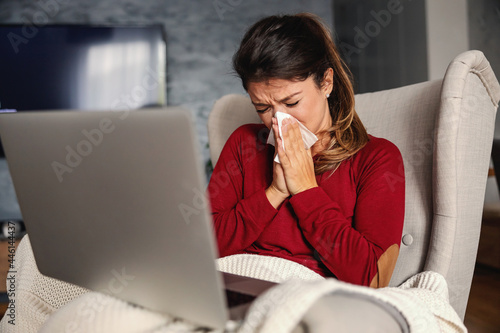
(349, 227)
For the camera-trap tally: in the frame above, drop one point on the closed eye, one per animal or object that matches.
(262, 110)
(292, 104)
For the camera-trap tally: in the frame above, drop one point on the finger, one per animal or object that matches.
(293, 139)
(296, 136)
(284, 160)
(276, 135)
(293, 132)
(286, 139)
(274, 125)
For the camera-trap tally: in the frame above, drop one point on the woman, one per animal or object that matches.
(331, 208)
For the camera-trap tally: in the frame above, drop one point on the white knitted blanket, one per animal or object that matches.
(47, 305)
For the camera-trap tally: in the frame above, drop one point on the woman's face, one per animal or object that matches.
(301, 99)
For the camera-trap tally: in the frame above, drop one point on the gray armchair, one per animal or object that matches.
(444, 130)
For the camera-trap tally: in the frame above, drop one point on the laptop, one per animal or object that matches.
(114, 201)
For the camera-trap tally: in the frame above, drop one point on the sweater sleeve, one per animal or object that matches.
(239, 217)
(362, 250)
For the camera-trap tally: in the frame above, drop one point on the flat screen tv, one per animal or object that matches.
(81, 67)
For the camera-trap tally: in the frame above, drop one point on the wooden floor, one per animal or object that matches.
(483, 309)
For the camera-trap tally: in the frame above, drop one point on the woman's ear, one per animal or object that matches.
(327, 84)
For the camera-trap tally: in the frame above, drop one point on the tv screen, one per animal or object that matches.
(77, 67)
(81, 67)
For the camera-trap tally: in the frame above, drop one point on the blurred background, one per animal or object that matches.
(387, 44)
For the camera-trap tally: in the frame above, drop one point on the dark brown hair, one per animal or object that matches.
(296, 47)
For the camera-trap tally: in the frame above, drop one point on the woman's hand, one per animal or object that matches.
(296, 162)
(277, 192)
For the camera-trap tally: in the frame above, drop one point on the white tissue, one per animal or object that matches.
(307, 136)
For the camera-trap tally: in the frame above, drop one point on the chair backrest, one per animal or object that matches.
(228, 113)
(444, 130)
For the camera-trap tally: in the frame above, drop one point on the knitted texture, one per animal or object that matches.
(422, 300)
(35, 296)
(265, 268)
(100, 313)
